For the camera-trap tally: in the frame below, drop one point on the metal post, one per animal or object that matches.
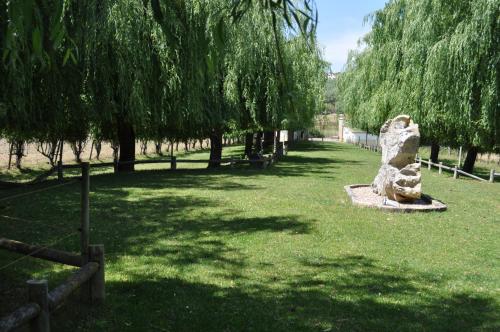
(38, 292)
(59, 171)
(84, 214)
(429, 165)
(455, 172)
(440, 167)
(492, 176)
(420, 161)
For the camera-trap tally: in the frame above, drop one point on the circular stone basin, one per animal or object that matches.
(363, 195)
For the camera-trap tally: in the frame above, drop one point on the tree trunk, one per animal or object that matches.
(98, 146)
(11, 149)
(19, 153)
(258, 143)
(77, 148)
(470, 160)
(268, 141)
(91, 150)
(115, 146)
(126, 139)
(248, 144)
(435, 152)
(144, 147)
(215, 149)
(277, 144)
(158, 145)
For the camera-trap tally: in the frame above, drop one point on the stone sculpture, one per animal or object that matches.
(399, 177)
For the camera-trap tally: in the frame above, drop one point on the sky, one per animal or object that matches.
(340, 25)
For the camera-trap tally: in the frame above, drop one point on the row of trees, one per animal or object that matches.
(436, 60)
(126, 70)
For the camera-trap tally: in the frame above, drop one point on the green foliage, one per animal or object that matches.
(435, 60)
(330, 96)
(171, 70)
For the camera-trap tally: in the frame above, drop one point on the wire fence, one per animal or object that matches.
(6, 198)
(39, 249)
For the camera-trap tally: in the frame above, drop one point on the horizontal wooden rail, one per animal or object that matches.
(471, 175)
(43, 302)
(440, 166)
(437, 165)
(453, 169)
(52, 255)
(166, 161)
(59, 294)
(70, 166)
(18, 318)
(101, 165)
(38, 179)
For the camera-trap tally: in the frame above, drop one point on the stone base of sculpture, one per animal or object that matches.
(362, 195)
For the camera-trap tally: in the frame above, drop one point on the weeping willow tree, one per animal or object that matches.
(273, 73)
(435, 60)
(125, 70)
(40, 96)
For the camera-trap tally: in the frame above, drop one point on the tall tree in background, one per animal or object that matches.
(125, 70)
(438, 61)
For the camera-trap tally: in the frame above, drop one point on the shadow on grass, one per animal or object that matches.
(147, 219)
(351, 293)
(296, 165)
(158, 244)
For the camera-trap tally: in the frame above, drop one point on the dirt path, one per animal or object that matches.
(35, 158)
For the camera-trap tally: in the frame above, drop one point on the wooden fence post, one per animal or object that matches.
(455, 172)
(38, 292)
(429, 165)
(85, 213)
(492, 176)
(85, 225)
(173, 163)
(440, 167)
(97, 282)
(460, 157)
(60, 170)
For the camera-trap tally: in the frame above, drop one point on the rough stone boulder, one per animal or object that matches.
(399, 176)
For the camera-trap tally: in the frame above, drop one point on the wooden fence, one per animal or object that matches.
(456, 171)
(89, 277)
(263, 162)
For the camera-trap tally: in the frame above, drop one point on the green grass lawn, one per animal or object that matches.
(280, 249)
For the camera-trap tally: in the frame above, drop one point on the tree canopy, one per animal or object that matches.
(121, 70)
(435, 60)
